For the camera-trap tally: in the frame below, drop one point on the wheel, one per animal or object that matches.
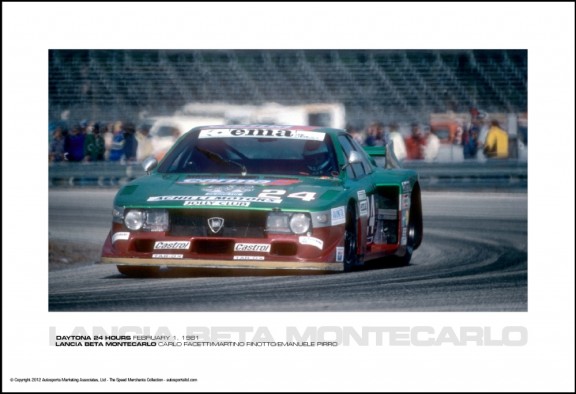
(138, 271)
(414, 229)
(401, 261)
(351, 257)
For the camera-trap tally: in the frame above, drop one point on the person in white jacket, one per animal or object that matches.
(397, 141)
(431, 147)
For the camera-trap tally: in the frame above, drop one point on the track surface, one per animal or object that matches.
(473, 258)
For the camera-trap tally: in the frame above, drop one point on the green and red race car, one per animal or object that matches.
(265, 197)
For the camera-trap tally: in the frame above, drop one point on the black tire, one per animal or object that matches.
(401, 261)
(414, 229)
(351, 258)
(138, 271)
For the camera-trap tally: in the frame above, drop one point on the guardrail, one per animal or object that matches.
(493, 174)
(501, 174)
(103, 174)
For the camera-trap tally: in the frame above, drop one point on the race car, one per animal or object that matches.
(265, 197)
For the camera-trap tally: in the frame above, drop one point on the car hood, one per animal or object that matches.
(248, 192)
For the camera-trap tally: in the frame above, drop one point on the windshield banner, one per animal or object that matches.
(262, 133)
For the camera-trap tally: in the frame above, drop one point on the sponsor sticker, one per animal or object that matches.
(339, 254)
(361, 194)
(405, 202)
(217, 203)
(404, 221)
(238, 181)
(372, 215)
(252, 248)
(262, 133)
(406, 187)
(167, 256)
(227, 190)
(214, 199)
(363, 205)
(282, 182)
(249, 258)
(316, 242)
(168, 198)
(172, 245)
(121, 236)
(338, 216)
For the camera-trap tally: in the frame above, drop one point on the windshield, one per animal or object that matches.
(252, 152)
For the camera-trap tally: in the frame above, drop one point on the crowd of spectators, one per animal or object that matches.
(420, 144)
(122, 142)
(479, 138)
(99, 141)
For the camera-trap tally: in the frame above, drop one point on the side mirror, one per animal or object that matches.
(353, 159)
(149, 164)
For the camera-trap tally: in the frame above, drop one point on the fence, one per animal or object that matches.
(494, 175)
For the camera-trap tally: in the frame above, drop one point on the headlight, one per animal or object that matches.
(277, 223)
(147, 220)
(134, 219)
(287, 223)
(299, 223)
(156, 220)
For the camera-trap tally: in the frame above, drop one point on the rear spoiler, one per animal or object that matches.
(383, 156)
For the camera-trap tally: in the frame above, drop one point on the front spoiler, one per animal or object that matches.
(194, 263)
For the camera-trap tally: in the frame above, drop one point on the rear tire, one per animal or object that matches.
(414, 229)
(138, 271)
(401, 261)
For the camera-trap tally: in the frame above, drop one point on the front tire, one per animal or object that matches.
(351, 257)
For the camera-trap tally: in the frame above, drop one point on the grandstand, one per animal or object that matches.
(386, 85)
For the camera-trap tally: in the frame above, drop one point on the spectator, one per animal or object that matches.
(431, 146)
(57, 146)
(415, 143)
(523, 129)
(470, 140)
(83, 125)
(107, 136)
(471, 134)
(355, 134)
(482, 117)
(375, 135)
(397, 142)
(75, 144)
(130, 142)
(94, 144)
(145, 148)
(117, 147)
(496, 146)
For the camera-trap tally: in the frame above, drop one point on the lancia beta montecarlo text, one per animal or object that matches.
(265, 197)
(260, 336)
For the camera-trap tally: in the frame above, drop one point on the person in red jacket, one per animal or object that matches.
(415, 144)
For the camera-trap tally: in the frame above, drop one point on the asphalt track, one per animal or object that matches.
(473, 258)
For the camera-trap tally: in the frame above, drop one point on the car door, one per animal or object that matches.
(362, 189)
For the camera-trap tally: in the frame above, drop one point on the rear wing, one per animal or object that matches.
(383, 156)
